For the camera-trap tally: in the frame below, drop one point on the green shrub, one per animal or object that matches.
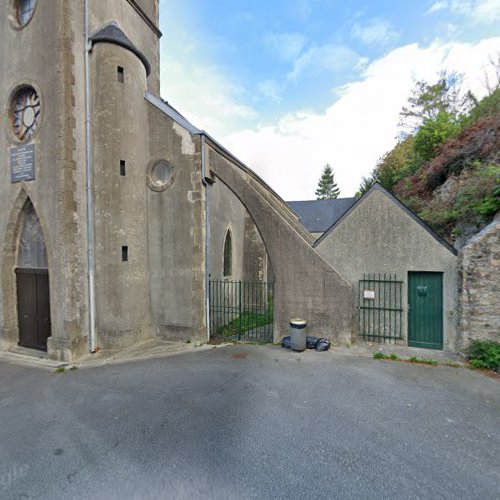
(433, 133)
(431, 362)
(484, 354)
(381, 355)
(488, 106)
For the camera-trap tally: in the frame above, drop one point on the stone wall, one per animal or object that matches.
(479, 271)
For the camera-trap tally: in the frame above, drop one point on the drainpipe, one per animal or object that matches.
(90, 194)
(207, 235)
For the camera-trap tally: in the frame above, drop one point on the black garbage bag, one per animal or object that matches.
(323, 345)
(285, 342)
(311, 342)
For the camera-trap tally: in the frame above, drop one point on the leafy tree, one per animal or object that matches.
(392, 167)
(397, 163)
(428, 100)
(433, 133)
(366, 184)
(327, 188)
(490, 104)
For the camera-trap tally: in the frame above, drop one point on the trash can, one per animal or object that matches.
(298, 334)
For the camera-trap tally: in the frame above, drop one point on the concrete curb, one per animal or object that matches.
(31, 361)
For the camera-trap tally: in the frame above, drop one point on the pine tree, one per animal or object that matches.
(327, 187)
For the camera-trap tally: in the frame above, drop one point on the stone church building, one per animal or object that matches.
(117, 214)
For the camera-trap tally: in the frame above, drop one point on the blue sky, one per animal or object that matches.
(291, 85)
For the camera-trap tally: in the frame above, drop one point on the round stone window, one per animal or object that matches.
(24, 10)
(25, 110)
(160, 175)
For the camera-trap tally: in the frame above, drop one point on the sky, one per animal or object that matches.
(291, 85)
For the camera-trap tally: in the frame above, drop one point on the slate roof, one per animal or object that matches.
(112, 33)
(319, 215)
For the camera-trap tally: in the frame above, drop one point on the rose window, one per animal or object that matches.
(25, 112)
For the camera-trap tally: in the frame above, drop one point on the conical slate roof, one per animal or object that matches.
(112, 33)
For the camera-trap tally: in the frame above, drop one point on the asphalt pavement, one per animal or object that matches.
(252, 422)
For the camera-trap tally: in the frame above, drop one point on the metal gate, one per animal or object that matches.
(380, 299)
(241, 310)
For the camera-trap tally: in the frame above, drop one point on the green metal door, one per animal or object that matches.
(425, 310)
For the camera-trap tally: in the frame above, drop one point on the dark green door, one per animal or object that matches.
(425, 310)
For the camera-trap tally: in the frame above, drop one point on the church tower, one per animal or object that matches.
(73, 75)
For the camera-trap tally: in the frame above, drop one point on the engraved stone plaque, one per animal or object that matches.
(22, 163)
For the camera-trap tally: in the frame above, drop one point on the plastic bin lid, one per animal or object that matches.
(298, 322)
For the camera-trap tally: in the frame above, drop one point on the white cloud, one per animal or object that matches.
(286, 46)
(438, 6)
(487, 11)
(270, 89)
(356, 130)
(374, 31)
(329, 58)
(478, 11)
(206, 95)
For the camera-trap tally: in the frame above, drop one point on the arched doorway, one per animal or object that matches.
(32, 277)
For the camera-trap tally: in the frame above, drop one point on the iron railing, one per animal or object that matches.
(241, 310)
(380, 299)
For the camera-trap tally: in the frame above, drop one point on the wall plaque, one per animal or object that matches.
(22, 163)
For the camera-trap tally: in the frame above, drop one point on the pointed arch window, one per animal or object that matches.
(32, 252)
(228, 254)
(24, 11)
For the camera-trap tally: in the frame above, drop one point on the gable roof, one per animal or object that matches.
(402, 206)
(319, 215)
(112, 33)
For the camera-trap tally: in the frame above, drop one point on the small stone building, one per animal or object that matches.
(403, 275)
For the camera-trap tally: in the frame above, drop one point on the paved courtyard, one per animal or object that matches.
(249, 422)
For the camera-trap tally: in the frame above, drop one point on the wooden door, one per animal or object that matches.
(33, 306)
(425, 310)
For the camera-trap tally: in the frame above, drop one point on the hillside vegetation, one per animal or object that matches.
(446, 164)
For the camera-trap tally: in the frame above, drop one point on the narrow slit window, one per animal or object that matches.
(124, 254)
(123, 168)
(121, 74)
(228, 255)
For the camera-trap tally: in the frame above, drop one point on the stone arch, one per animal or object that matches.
(305, 284)
(9, 327)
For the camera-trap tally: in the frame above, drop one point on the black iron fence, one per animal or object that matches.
(241, 310)
(380, 299)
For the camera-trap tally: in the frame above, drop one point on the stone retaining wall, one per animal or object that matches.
(479, 272)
